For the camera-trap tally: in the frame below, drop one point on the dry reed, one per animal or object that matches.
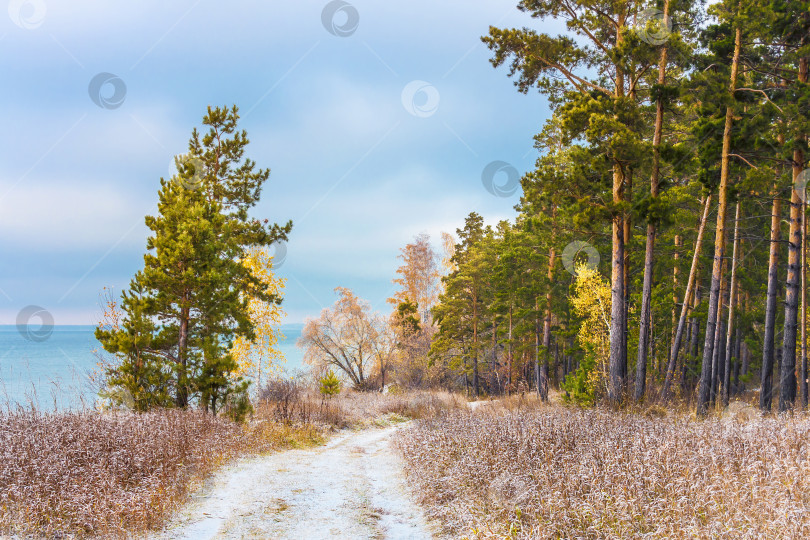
(293, 401)
(555, 472)
(92, 474)
(109, 474)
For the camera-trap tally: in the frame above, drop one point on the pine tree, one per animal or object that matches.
(141, 375)
(194, 292)
(592, 105)
(461, 313)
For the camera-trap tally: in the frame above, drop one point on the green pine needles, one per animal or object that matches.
(329, 384)
(184, 308)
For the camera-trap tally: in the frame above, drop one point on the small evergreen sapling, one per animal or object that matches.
(329, 384)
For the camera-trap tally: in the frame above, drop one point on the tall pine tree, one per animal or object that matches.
(190, 301)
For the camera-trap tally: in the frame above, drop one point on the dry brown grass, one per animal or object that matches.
(291, 401)
(361, 408)
(109, 474)
(554, 472)
(117, 473)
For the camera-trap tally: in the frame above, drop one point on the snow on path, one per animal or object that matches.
(352, 487)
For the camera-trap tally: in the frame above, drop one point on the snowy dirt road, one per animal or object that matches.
(352, 487)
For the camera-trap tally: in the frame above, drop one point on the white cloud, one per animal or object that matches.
(324, 121)
(41, 216)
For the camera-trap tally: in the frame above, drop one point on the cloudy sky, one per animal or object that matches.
(376, 118)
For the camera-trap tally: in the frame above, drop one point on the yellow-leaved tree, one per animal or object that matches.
(261, 356)
(591, 301)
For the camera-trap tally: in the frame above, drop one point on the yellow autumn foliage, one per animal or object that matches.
(261, 355)
(592, 301)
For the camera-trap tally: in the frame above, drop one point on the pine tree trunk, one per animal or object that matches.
(675, 274)
(537, 371)
(787, 374)
(704, 390)
(689, 333)
(745, 360)
(555, 376)
(476, 391)
(803, 369)
(547, 324)
(690, 285)
(713, 345)
(475, 346)
(803, 76)
(617, 311)
(694, 344)
(509, 378)
(745, 352)
(779, 351)
(627, 195)
(732, 295)
(646, 294)
(766, 388)
(655, 364)
(720, 349)
(735, 387)
(649, 250)
(494, 342)
(719, 335)
(618, 341)
(181, 399)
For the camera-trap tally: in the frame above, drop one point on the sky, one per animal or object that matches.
(378, 120)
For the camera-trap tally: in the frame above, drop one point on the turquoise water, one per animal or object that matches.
(56, 371)
(294, 357)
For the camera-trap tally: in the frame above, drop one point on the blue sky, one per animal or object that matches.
(355, 170)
